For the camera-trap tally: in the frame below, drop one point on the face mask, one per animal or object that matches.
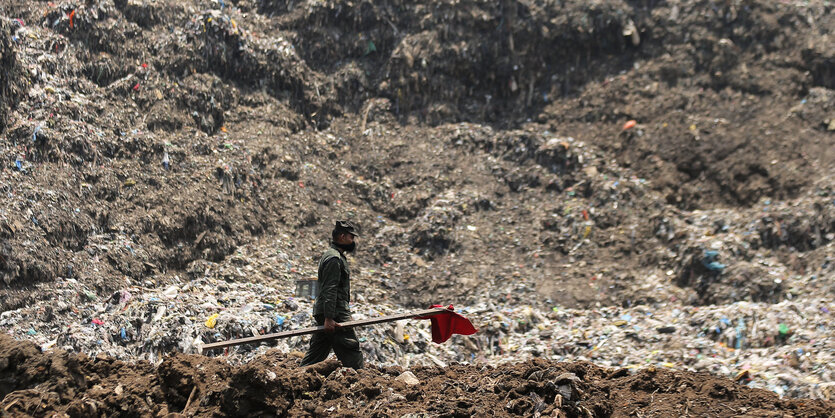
(347, 248)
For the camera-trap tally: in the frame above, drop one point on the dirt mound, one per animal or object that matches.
(40, 384)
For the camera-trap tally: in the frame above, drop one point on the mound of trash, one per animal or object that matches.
(641, 185)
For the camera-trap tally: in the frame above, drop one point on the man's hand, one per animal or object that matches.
(331, 325)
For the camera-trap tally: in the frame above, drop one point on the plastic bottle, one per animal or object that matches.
(740, 334)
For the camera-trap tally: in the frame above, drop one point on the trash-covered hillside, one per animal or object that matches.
(633, 201)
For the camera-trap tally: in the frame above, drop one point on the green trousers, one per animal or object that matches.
(344, 343)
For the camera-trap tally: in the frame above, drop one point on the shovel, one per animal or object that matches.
(459, 325)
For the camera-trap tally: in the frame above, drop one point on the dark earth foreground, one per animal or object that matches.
(40, 384)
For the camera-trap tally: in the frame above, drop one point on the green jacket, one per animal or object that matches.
(334, 285)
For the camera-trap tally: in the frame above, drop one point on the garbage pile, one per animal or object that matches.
(653, 194)
(9, 86)
(786, 347)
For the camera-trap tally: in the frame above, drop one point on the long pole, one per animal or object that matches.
(313, 330)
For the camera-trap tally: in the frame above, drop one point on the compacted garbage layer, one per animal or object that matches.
(479, 143)
(42, 384)
(487, 148)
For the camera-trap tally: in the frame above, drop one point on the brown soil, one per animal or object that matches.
(40, 384)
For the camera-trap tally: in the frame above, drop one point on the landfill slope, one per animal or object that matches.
(460, 140)
(636, 184)
(8, 61)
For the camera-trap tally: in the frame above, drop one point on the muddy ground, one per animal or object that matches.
(40, 384)
(482, 146)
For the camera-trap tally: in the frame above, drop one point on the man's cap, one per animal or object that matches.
(349, 227)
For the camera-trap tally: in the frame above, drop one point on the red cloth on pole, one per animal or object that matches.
(447, 323)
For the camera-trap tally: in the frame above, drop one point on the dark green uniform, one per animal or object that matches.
(332, 302)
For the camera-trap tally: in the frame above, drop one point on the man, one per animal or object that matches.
(331, 305)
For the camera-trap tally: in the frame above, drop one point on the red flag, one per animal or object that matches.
(447, 323)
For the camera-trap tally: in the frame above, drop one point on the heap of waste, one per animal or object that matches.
(785, 347)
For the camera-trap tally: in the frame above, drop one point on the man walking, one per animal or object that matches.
(331, 307)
